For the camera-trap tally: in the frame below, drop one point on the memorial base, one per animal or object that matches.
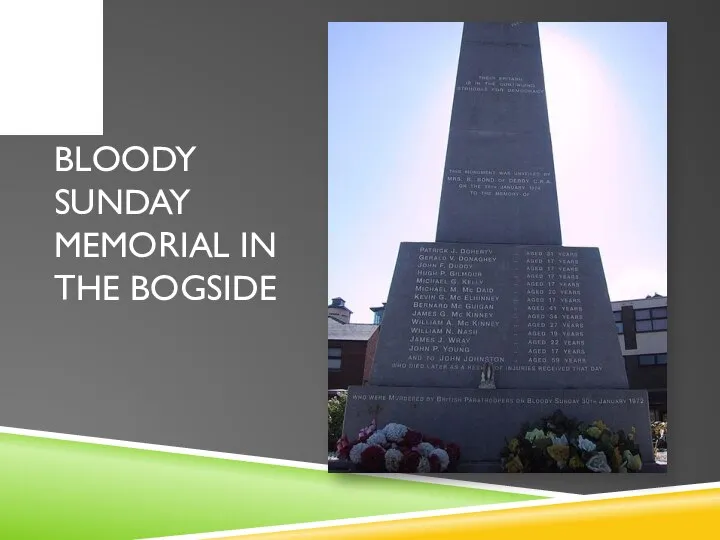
(482, 467)
(480, 421)
(494, 467)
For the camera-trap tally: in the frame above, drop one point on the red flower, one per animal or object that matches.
(434, 463)
(367, 431)
(413, 438)
(437, 443)
(343, 447)
(409, 462)
(372, 459)
(453, 452)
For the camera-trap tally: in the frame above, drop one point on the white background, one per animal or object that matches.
(51, 67)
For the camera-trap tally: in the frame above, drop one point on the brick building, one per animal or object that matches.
(350, 346)
(339, 311)
(378, 313)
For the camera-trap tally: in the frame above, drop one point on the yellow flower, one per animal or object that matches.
(559, 452)
(617, 459)
(535, 434)
(515, 465)
(594, 432)
(513, 446)
(634, 462)
(576, 462)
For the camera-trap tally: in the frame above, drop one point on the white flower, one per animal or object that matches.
(424, 465)
(395, 432)
(392, 460)
(535, 434)
(442, 455)
(586, 444)
(424, 449)
(377, 438)
(598, 463)
(356, 451)
(562, 441)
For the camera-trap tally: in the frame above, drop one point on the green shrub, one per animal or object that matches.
(336, 415)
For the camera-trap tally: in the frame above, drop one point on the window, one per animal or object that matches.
(659, 324)
(653, 359)
(651, 320)
(659, 313)
(646, 360)
(618, 321)
(643, 326)
(334, 358)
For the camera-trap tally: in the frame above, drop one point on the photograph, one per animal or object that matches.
(497, 259)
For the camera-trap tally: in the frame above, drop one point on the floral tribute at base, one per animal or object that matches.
(561, 444)
(398, 449)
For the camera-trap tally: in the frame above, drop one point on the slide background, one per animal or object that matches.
(246, 83)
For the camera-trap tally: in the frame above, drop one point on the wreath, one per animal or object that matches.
(561, 444)
(398, 449)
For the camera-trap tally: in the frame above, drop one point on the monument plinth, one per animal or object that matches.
(496, 323)
(540, 315)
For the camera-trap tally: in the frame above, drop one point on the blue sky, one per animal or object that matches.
(390, 88)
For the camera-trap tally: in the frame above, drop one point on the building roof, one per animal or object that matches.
(642, 303)
(339, 303)
(349, 331)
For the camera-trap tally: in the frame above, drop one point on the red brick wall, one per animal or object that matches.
(352, 364)
(370, 354)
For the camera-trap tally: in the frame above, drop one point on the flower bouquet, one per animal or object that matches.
(398, 449)
(561, 444)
